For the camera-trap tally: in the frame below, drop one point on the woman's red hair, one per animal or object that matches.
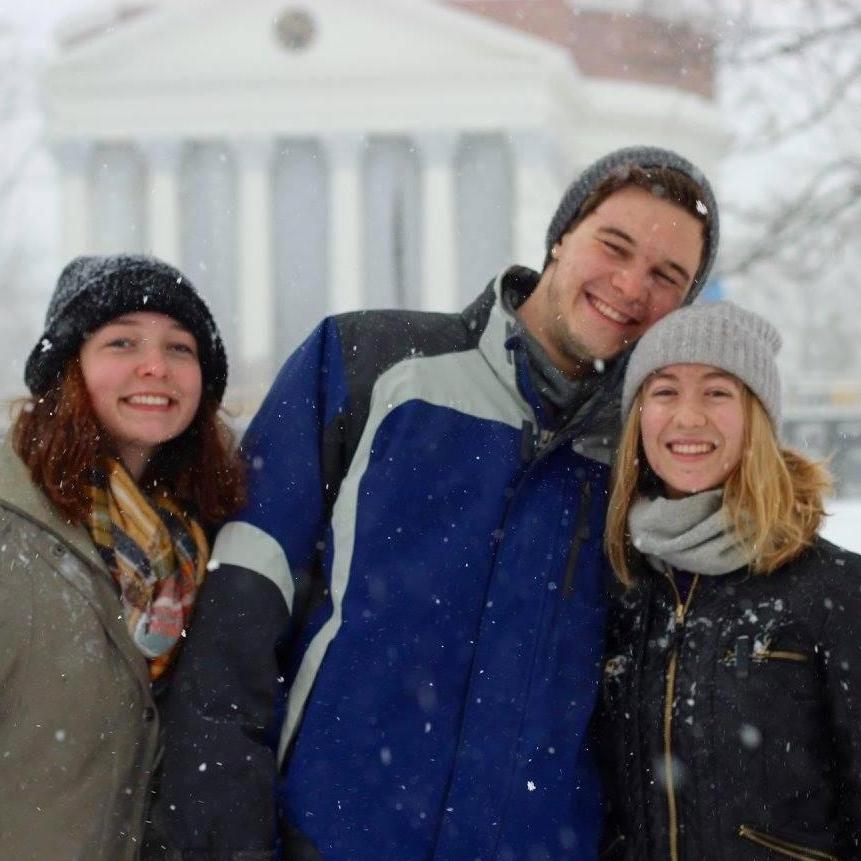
(61, 441)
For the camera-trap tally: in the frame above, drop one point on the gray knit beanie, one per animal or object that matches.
(716, 333)
(620, 161)
(93, 290)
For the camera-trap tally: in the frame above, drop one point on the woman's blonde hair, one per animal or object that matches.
(773, 498)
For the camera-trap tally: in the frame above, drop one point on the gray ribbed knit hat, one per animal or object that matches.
(620, 161)
(716, 333)
(93, 290)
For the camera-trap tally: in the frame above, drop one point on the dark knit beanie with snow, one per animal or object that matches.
(94, 290)
(720, 334)
(618, 163)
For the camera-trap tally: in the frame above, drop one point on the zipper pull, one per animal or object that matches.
(582, 533)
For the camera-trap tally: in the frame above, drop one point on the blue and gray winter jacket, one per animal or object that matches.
(402, 639)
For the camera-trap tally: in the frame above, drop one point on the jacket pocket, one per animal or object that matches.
(784, 848)
(745, 655)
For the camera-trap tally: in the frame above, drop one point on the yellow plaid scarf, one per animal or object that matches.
(155, 552)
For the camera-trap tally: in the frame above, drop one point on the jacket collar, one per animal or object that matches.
(497, 343)
(594, 430)
(18, 492)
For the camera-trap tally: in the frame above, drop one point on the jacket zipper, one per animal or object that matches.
(669, 694)
(780, 655)
(581, 536)
(531, 450)
(788, 850)
(762, 655)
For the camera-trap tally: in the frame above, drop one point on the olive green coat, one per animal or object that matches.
(78, 725)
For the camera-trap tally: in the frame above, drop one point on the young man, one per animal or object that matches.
(400, 648)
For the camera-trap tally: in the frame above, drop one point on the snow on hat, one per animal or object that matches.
(715, 333)
(94, 290)
(644, 157)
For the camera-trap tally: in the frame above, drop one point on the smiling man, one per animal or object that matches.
(402, 642)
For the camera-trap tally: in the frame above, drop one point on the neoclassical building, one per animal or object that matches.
(299, 158)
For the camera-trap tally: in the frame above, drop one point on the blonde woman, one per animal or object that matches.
(732, 684)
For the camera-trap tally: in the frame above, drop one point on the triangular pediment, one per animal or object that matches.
(221, 67)
(202, 41)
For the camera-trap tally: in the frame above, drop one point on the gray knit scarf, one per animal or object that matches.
(690, 534)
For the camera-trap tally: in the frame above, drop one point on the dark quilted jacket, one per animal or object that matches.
(750, 700)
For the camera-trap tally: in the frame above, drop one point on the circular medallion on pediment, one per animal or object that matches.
(295, 28)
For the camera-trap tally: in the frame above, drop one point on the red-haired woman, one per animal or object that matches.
(111, 477)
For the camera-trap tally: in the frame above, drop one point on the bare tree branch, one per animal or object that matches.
(812, 218)
(795, 43)
(835, 97)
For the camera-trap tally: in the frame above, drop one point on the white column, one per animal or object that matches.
(255, 305)
(439, 233)
(537, 194)
(345, 219)
(163, 217)
(74, 157)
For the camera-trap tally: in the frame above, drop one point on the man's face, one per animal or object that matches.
(623, 267)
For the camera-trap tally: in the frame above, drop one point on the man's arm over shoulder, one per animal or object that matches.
(219, 771)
